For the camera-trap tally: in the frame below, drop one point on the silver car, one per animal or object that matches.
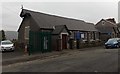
(113, 43)
(6, 45)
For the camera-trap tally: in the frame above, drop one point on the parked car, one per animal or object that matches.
(6, 45)
(113, 43)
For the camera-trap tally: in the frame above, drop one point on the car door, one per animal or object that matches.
(118, 42)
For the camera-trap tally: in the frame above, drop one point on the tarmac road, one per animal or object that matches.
(9, 54)
(96, 60)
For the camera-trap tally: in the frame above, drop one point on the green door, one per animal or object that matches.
(39, 41)
(45, 41)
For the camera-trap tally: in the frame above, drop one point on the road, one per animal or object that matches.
(9, 55)
(93, 60)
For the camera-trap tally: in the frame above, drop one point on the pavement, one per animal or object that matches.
(8, 59)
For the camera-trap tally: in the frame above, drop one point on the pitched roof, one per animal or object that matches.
(118, 24)
(59, 28)
(106, 27)
(106, 23)
(48, 21)
(111, 20)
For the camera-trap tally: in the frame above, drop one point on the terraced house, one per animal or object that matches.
(108, 29)
(118, 24)
(46, 32)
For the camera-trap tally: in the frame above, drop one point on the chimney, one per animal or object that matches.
(111, 20)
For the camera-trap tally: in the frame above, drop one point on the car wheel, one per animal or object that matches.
(117, 46)
(106, 47)
(12, 50)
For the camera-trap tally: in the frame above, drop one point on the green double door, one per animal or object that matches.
(39, 42)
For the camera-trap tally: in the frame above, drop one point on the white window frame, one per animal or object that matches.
(27, 27)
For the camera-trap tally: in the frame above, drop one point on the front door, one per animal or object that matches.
(64, 41)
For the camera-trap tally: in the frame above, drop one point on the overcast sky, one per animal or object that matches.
(87, 11)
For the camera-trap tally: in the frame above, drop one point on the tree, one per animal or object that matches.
(3, 35)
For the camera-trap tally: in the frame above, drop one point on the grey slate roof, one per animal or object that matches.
(48, 21)
(58, 29)
(118, 24)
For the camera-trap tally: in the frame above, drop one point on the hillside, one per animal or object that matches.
(10, 35)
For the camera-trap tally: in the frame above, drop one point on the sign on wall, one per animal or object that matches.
(78, 35)
(82, 35)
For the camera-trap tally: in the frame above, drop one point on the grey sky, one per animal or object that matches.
(119, 11)
(87, 11)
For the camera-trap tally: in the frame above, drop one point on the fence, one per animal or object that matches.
(39, 42)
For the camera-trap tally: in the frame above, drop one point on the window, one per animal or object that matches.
(45, 43)
(103, 23)
(86, 35)
(72, 35)
(27, 28)
(96, 35)
(91, 35)
(82, 35)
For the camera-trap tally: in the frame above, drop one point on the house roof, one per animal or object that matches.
(106, 23)
(48, 21)
(105, 26)
(111, 20)
(118, 24)
(58, 29)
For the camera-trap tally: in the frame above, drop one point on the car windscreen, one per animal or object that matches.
(5, 43)
(111, 40)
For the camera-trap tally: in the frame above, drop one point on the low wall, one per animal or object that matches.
(77, 44)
